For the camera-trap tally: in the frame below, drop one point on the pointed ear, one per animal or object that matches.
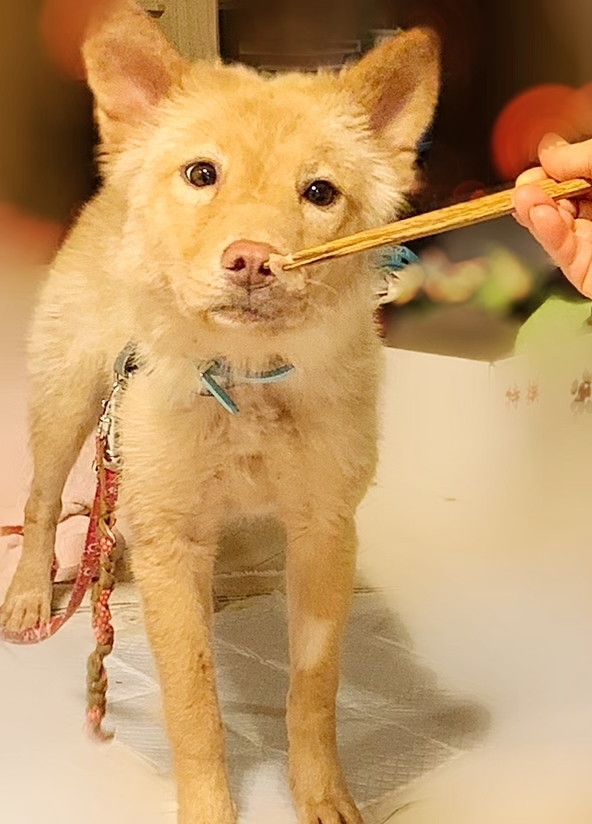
(397, 83)
(130, 68)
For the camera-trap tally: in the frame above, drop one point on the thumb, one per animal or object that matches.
(562, 160)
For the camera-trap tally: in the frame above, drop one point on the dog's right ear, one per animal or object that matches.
(130, 68)
(397, 83)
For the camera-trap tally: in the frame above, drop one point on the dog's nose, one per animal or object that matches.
(243, 261)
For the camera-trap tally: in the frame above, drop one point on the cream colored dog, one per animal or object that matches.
(207, 170)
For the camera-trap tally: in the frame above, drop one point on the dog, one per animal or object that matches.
(255, 391)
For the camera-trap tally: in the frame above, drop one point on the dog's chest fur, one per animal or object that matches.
(234, 462)
(264, 428)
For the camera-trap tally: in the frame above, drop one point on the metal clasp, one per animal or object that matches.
(124, 366)
(107, 433)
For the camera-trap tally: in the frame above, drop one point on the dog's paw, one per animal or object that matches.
(335, 808)
(330, 812)
(27, 603)
(319, 791)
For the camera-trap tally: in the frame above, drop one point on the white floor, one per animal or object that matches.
(50, 772)
(393, 722)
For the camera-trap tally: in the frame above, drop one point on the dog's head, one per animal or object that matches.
(220, 167)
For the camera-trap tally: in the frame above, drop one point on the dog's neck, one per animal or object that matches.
(214, 376)
(218, 376)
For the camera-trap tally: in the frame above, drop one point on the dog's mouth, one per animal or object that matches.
(229, 314)
(258, 306)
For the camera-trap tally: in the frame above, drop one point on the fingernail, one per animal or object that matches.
(551, 141)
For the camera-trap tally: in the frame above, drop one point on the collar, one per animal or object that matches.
(215, 376)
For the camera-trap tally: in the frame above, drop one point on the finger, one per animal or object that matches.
(525, 199)
(583, 208)
(531, 176)
(567, 242)
(519, 219)
(583, 230)
(571, 206)
(563, 161)
(582, 278)
(555, 231)
(578, 207)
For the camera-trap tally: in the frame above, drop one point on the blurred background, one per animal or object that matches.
(511, 72)
(46, 132)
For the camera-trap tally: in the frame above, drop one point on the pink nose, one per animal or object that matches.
(243, 261)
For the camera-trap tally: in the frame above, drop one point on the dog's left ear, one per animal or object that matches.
(398, 83)
(130, 68)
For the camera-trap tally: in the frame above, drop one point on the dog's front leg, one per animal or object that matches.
(65, 403)
(174, 577)
(320, 570)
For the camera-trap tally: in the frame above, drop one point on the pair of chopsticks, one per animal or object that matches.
(431, 223)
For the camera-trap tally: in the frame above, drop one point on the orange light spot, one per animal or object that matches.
(523, 123)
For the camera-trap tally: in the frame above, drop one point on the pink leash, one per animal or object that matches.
(96, 568)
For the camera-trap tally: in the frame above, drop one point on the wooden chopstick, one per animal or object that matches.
(431, 223)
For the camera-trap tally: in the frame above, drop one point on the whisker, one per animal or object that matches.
(323, 283)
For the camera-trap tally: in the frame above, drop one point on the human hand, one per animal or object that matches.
(563, 228)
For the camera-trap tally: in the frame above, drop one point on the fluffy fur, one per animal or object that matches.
(144, 263)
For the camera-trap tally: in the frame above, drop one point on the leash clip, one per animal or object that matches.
(124, 366)
(106, 431)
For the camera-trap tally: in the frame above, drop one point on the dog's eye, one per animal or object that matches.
(321, 193)
(201, 174)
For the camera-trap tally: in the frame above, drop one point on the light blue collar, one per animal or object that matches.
(218, 375)
(215, 376)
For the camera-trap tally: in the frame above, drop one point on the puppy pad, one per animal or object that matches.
(393, 722)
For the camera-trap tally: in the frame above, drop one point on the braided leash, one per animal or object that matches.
(96, 566)
(90, 562)
(102, 522)
(108, 465)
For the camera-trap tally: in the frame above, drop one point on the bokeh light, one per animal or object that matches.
(526, 119)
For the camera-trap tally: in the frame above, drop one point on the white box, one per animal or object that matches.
(467, 444)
